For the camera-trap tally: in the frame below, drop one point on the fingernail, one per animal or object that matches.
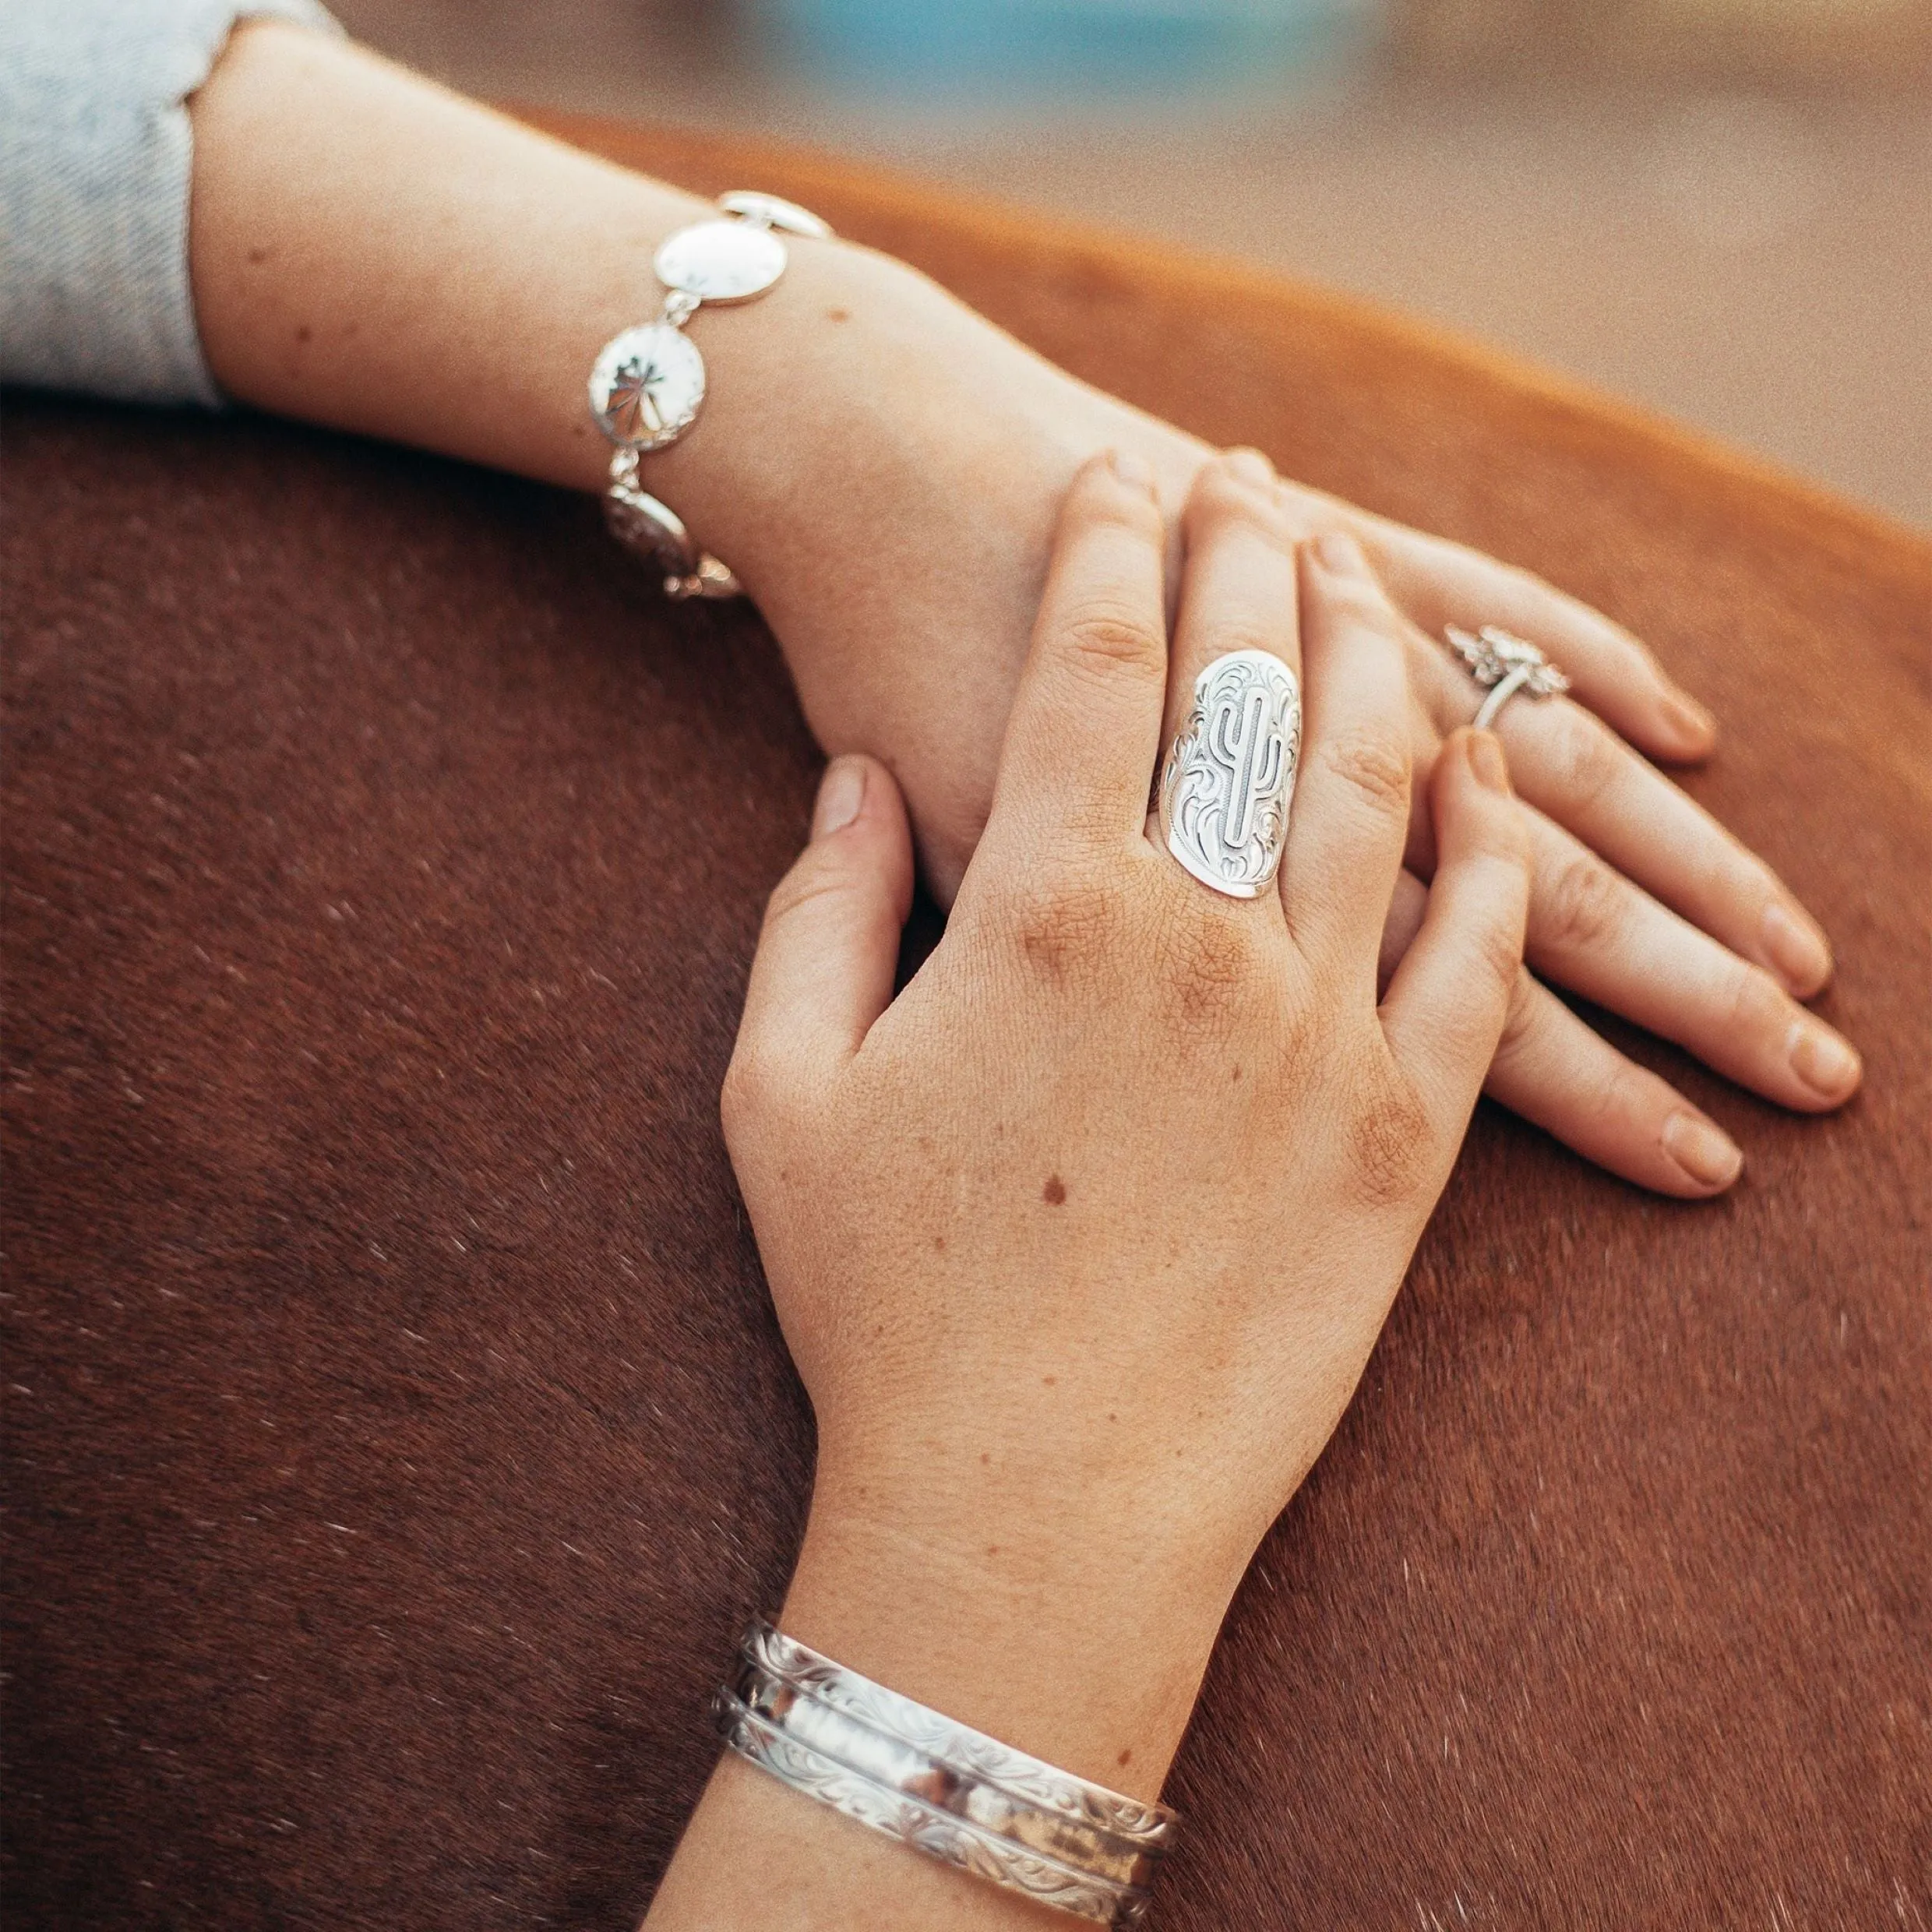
(1824, 1063)
(1704, 1151)
(1797, 949)
(1131, 469)
(1340, 552)
(1250, 466)
(1687, 718)
(841, 792)
(1487, 762)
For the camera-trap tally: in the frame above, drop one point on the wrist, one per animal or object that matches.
(1082, 1642)
(794, 380)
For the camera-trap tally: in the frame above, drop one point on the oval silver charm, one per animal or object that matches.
(647, 387)
(640, 522)
(773, 211)
(1226, 788)
(721, 261)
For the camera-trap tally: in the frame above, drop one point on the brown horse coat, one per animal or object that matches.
(399, 1430)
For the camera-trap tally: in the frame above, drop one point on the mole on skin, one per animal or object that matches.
(1054, 1191)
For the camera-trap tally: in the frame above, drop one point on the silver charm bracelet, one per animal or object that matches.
(647, 384)
(953, 1793)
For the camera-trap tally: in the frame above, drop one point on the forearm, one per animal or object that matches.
(371, 252)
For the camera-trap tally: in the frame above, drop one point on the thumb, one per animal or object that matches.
(830, 943)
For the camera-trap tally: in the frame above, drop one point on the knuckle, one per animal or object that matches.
(745, 1102)
(804, 884)
(1105, 640)
(1584, 906)
(1754, 1004)
(1242, 630)
(1519, 1013)
(1220, 499)
(1098, 502)
(1499, 952)
(1376, 766)
(1589, 761)
(1389, 1139)
(1070, 923)
(1208, 966)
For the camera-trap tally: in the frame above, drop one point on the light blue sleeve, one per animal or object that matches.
(95, 155)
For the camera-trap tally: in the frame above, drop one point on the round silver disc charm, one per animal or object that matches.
(773, 211)
(647, 387)
(721, 261)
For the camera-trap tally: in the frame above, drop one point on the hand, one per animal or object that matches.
(1028, 1227)
(1073, 1328)
(885, 468)
(894, 532)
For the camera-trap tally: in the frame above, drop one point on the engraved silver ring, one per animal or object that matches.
(1230, 773)
(1503, 664)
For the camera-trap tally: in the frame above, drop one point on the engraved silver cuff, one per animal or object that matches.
(1229, 777)
(647, 384)
(953, 1793)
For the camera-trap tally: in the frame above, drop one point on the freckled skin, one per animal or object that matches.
(1122, 1532)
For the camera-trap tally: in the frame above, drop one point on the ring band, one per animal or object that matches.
(1504, 664)
(1229, 775)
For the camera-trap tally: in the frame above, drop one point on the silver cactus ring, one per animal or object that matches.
(1230, 773)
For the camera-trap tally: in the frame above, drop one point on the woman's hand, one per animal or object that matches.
(1081, 1243)
(895, 533)
(884, 468)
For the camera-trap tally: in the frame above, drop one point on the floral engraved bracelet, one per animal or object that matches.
(647, 384)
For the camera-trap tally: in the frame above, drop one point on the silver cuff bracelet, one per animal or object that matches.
(647, 384)
(951, 1792)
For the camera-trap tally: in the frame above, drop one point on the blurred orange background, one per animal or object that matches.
(1719, 208)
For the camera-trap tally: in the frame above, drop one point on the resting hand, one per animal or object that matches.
(897, 544)
(884, 468)
(1081, 1243)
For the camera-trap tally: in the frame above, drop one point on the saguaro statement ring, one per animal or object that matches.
(1225, 787)
(1504, 664)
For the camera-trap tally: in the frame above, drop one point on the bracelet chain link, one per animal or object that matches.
(647, 384)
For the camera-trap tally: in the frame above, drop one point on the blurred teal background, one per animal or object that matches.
(1718, 208)
(1043, 48)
